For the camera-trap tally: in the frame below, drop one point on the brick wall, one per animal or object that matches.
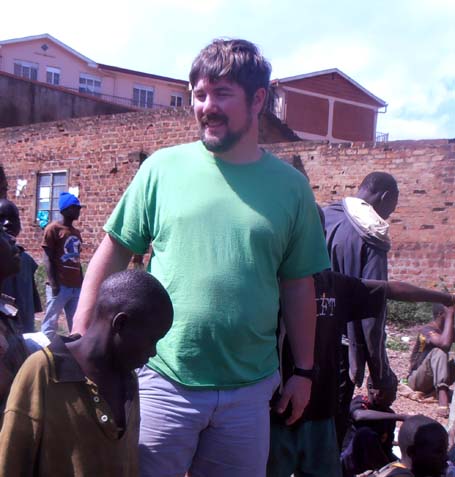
(423, 225)
(101, 155)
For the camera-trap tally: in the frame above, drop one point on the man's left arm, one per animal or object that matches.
(298, 306)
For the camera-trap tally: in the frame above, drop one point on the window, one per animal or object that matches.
(26, 69)
(53, 75)
(143, 97)
(49, 186)
(89, 84)
(176, 100)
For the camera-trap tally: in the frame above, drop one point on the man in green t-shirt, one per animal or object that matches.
(233, 229)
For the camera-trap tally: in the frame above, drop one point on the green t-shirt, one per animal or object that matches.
(222, 236)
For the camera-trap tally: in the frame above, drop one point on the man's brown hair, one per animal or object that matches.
(236, 60)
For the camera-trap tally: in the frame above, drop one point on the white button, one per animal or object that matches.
(104, 418)
(96, 399)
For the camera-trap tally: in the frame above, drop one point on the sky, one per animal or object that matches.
(402, 51)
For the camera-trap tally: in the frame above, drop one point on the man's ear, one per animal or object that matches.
(385, 196)
(118, 322)
(259, 99)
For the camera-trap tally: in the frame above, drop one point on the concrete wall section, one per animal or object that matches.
(24, 102)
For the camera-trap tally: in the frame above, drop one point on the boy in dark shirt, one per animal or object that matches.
(423, 445)
(73, 409)
(12, 347)
(369, 442)
(309, 447)
(21, 286)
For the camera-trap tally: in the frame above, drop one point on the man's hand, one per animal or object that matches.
(296, 392)
(55, 290)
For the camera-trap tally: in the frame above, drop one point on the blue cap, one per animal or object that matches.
(67, 200)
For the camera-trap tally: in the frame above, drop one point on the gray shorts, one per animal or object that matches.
(203, 432)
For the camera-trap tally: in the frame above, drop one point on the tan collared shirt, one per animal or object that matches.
(57, 423)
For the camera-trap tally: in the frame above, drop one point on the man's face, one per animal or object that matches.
(388, 204)
(9, 217)
(222, 112)
(9, 255)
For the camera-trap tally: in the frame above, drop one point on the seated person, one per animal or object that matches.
(369, 442)
(423, 445)
(12, 347)
(431, 368)
(73, 409)
(21, 286)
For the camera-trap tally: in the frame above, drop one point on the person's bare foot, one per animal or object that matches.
(443, 402)
(442, 411)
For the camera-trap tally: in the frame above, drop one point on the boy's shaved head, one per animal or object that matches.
(379, 182)
(424, 441)
(135, 310)
(130, 292)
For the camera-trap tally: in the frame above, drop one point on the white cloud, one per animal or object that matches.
(348, 55)
(414, 128)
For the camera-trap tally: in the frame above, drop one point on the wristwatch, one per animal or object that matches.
(305, 373)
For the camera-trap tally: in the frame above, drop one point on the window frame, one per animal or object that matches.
(24, 66)
(90, 86)
(55, 73)
(143, 102)
(177, 96)
(53, 195)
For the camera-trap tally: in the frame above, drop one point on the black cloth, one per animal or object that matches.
(366, 258)
(346, 391)
(339, 298)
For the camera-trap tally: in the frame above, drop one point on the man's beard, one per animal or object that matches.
(230, 138)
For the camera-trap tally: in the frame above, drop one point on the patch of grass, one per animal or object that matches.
(395, 344)
(407, 315)
(40, 279)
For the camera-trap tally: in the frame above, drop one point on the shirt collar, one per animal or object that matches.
(64, 367)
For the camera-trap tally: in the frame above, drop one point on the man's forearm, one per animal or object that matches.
(403, 291)
(109, 258)
(372, 415)
(50, 270)
(299, 313)
(298, 303)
